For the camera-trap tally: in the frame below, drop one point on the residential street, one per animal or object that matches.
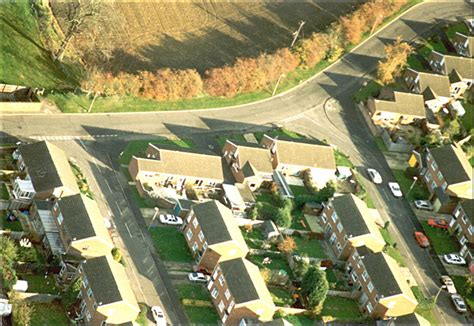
(306, 110)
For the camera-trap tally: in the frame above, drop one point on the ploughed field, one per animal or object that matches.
(150, 35)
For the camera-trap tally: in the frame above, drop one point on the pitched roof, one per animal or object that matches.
(253, 158)
(351, 211)
(465, 40)
(82, 217)
(304, 153)
(468, 207)
(464, 66)
(245, 281)
(47, 166)
(108, 281)
(217, 223)
(431, 84)
(453, 164)
(404, 103)
(181, 161)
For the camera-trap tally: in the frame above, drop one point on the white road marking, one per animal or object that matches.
(108, 186)
(69, 137)
(130, 233)
(118, 207)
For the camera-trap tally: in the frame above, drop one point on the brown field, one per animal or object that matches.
(199, 34)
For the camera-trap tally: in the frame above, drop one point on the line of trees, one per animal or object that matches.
(247, 74)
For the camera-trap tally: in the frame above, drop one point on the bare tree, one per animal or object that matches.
(78, 12)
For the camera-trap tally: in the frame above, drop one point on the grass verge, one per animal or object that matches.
(418, 191)
(170, 244)
(391, 249)
(341, 309)
(461, 283)
(425, 306)
(441, 241)
(137, 147)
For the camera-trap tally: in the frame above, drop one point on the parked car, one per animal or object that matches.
(424, 205)
(448, 282)
(395, 189)
(438, 223)
(159, 316)
(198, 277)
(459, 303)
(170, 219)
(375, 176)
(422, 239)
(454, 259)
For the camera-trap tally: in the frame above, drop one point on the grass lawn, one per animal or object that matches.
(142, 319)
(391, 251)
(414, 63)
(300, 320)
(458, 27)
(23, 58)
(371, 89)
(424, 308)
(254, 238)
(139, 146)
(298, 221)
(278, 262)
(434, 44)
(341, 309)
(47, 314)
(200, 311)
(170, 244)
(299, 190)
(40, 284)
(193, 291)
(4, 224)
(419, 191)
(311, 247)
(460, 283)
(342, 159)
(237, 138)
(4, 194)
(468, 118)
(441, 241)
(201, 315)
(381, 144)
(281, 296)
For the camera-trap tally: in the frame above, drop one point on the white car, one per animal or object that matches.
(395, 189)
(375, 176)
(454, 259)
(170, 219)
(448, 282)
(459, 303)
(159, 316)
(424, 205)
(198, 277)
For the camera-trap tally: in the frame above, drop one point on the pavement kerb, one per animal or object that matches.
(250, 103)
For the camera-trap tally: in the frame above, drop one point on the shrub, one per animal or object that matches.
(315, 287)
(69, 297)
(117, 254)
(287, 245)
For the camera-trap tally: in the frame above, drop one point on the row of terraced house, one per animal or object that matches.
(71, 228)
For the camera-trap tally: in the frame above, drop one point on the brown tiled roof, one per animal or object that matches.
(439, 84)
(253, 158)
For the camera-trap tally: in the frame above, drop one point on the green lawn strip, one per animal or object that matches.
(419, 191)
(47, 314)
(279, 262)
(342, 159)
(434, 44)
(299, 190)
(281, 296)
(441, 241)
(424, 308)
(141, 202)
(342, 309)
(298, 221)
(267, 197)
(170, 244)
(192, 291)
(458, 27)
(461, 285)
(381, 144)
(468, 118)
(40, 284)
(7, 225)
(310, 247)
(414, 63)
(142, 319)
(391, 251)
(4, 194)
(23, 59)
(371, 89)
(300, 320)
(369, 202)
(202, 315)
(137, 147)
(254, 238)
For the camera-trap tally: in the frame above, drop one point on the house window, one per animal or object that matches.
(339, 227)
(365, 276)
(204, 246)
(85, 282)
(189, 234)
(221, 306)
(89, 292)
(370, 287)
(227, 294)
(433, 185)
(434, 166)
(355, 255)
(439, 175)
(332, 239)
(464, 218)
(470, 230)
(458, 211)
(195, 223)
(354, 276)
(214, 293)
(224, 318)
(216, 271)
(88, 315)
(201, 235)
(221, 280)
(338, 246)
(328, 228)
(334, 217)
(231, 305)
(444, 186)
(195, 247)
(428, 177)
(60, 218)
(323, 218)
(95, 305)
(369, 308)
(463, 240)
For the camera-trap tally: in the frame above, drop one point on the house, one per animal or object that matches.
(250, 163)
(45, 171)
(213, 235)
(294, 157)
(106, 295)
(447, 174)
(44, 227)
(348, 224)
(383, 291)
(238, 291)
(175, 168)
(81, 227)
(463, 44)
(413, 319)
(462, 226)
(434, 88)
(459, 70)
(393, 107)
(239, 197)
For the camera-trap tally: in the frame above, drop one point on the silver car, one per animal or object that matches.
(423, 205)
(459, 303)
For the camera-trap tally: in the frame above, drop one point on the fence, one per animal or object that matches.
(395, 147)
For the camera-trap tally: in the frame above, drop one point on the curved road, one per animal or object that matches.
(302, 109)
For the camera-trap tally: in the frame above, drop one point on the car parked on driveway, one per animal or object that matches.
(375, 176)
(198, 277)
(423, 205)
(459, 303)
(158, 316)
(438, 223)
(395, 189)
(170, 219)
(448, 282)
(454, 259)
(422, 239)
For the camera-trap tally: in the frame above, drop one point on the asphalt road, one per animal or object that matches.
(303, 110)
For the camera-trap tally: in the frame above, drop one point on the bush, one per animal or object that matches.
(69, 297)
(117, 254)
(315, 287)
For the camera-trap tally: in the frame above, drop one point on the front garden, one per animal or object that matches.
(441, 240)
(170, 244)
(197, 304)
(138, 147)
